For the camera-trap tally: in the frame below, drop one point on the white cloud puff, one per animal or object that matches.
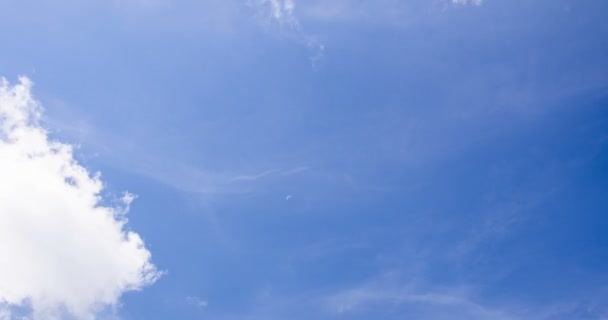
(62, 254)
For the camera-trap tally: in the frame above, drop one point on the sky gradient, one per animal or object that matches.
(345, 159)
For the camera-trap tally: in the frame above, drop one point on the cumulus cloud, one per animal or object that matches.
(62, 253)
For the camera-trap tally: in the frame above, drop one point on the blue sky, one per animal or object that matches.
(336, 159)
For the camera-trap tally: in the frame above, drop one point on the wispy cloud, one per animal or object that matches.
(468, 2)
(426, 302)
(412, 299)
(62, 252)
(5, 313)
(197, 302)
(254, 177)
(282, 13)
(268, 173)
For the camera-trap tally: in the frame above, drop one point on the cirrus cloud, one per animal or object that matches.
(62, 253)
(282, 12)
(466, 2)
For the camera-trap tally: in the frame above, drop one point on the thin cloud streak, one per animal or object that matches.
(268, 173)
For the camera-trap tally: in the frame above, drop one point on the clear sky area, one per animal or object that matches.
(304, 160)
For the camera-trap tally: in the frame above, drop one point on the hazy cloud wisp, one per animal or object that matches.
(282, 12)
(468, 2)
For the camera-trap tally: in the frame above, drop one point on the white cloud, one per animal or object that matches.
(429, 305)
(268, 173)
(458, 302)
(468, 2)
(255, 177)
(282, 13)
(61, 252)
(196, 301)
(416, 298)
